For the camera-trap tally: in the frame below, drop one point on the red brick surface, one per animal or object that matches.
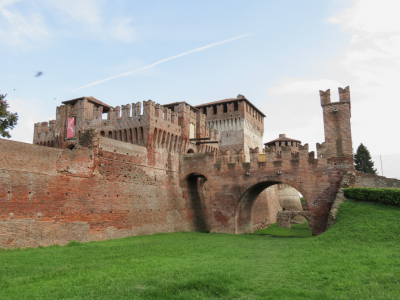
(141, 180)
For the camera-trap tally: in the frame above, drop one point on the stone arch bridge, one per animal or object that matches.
(229, 190)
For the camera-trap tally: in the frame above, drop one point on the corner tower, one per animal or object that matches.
(338, 143)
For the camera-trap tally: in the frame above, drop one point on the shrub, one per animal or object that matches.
(87, 137)
(383, 196)
(74, 244)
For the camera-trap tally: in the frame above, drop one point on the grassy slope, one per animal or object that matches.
(358, 258)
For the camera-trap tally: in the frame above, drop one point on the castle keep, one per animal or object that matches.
(97, 172)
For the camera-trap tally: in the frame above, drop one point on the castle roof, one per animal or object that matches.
(106, 107)
(282, 138)
(172, 105)
(242, 98)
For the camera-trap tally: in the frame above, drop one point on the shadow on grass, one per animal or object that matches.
(297, 230)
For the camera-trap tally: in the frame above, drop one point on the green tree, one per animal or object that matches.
(7, 119)
(362, 160)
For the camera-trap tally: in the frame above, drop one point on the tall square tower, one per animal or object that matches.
(240, 123)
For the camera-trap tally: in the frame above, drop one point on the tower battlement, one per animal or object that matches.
(344, 96)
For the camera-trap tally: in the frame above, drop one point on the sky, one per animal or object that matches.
(279, 54)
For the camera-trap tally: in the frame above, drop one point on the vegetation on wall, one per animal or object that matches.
(86, 137)
(362, 160)
(7, 119)
(383, 196)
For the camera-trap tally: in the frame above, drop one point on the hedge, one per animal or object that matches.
(383, 196)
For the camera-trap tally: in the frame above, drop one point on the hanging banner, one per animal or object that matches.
(71, 128)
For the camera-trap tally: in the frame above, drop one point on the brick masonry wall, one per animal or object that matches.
(375, 181)
(24, 157)
(110, 195)
(234, 187)
(266, 208)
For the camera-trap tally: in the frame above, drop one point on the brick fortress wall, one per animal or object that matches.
(86, 194)
(137, 177)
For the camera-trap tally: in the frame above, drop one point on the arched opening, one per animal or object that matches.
(198, 202)
(71, 147)
(154, 137)
(190, 151)
(260, 204)
(102, 133)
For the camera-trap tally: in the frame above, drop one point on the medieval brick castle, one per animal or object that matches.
(97, 172)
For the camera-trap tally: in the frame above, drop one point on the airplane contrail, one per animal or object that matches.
(164, 60)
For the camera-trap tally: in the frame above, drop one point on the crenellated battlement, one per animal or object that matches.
(325, 97)
(344, 96)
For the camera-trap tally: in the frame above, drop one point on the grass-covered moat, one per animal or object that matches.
(358, 258)
(296, 230)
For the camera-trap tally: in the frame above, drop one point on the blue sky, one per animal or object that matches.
(285, 52)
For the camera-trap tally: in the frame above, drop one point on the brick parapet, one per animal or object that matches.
(375, 181)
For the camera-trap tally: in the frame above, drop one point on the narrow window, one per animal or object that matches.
(236, 106)
(215, 109)
(225, 107)
(205, 110)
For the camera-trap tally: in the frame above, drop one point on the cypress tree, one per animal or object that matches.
(362, 160)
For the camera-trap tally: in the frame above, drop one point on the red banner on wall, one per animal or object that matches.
(71, 128)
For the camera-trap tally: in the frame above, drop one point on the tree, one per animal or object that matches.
(7, 119)
(362, 160)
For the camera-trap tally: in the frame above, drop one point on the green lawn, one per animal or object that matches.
(297, 230)
(358, 258)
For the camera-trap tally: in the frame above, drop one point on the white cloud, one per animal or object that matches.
(16, 27)
(28, 114)
(22, 22)
(89, 15)
(122, 30)
(291, 86)
(82, 11)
